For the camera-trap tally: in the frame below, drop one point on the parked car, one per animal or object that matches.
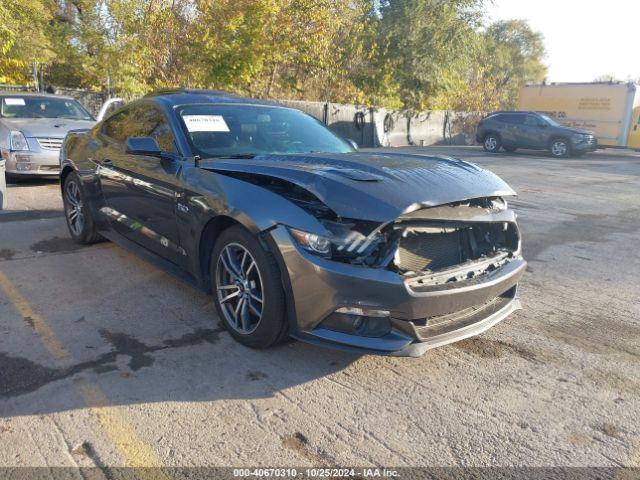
(294, 231)
(532, 130)
(32, 127)
(108, 107)
(610, 109)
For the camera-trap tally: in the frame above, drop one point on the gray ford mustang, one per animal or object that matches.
(294, 231)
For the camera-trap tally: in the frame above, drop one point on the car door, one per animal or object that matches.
(532, 132)
(140, 191)
(509, 129)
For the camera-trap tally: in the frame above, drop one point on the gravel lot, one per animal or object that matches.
(106, 360)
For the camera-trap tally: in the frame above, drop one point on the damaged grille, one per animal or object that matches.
(430, 247)
(419, 251)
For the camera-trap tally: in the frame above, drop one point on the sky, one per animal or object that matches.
(584, 39)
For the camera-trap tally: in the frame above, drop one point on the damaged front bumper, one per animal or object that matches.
(422, 312)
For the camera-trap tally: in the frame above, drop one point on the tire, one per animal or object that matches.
(77, 214)
(509, 149)
(560, 148)
(492, 143)
(254, 323)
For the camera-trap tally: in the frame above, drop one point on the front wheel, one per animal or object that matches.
(492, 143)
(247, 290)
(560, 148)
(77, 212)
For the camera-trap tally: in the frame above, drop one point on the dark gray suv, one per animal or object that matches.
(532, 130)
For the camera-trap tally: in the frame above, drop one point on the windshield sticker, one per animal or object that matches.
(14, 101)
(205, 123)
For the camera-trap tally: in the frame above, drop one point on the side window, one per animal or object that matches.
(115, 127)
(151, 122)
(531, 121)
(140, 121)
(514, 119)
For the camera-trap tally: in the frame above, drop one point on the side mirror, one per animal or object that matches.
(353, 144)
(147, 146)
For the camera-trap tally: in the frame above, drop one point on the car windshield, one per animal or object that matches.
(549, 120)
(17, 106)
(249, 130)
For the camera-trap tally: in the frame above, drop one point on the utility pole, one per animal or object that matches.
(34, 72)
(41, 83)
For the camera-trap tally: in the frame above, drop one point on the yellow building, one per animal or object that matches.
(610, 110)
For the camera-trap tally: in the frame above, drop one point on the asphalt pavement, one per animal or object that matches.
(106, 360)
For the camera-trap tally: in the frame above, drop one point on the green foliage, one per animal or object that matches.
(23, 37)
(427, 43)
(412, 54)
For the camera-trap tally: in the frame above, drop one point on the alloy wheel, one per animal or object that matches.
(74, 208)
(239, 288)
(559, 148)
(491, 143)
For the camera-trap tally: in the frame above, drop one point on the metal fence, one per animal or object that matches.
(378, 127)
(368, 127)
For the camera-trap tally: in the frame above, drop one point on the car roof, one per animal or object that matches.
(34, 94)
(513, 112)
(175, 97)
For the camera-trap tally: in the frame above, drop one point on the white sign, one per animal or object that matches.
(205, 123)
(14, 101)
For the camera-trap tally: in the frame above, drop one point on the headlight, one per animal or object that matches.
(17, 142)
(343, 243)
(312, 242)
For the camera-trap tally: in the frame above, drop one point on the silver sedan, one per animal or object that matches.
(32, 128)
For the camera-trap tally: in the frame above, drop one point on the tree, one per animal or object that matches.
(605, 78)
(514, 56)
(426, 43)
(23, 37)
(284, 48)
(413, 54)
(505, 57)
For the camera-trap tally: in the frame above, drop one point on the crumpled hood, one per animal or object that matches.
(374, 186)
(45, 127)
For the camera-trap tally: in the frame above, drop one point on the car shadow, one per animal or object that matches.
(31, 182)
(201, 366)
(146, 339)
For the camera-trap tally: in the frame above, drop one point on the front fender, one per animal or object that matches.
(255, 207)
(209, 196)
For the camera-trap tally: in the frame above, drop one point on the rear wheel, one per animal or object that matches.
(560, 148)
(247, 289)
(492, 143)
(77, 212)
